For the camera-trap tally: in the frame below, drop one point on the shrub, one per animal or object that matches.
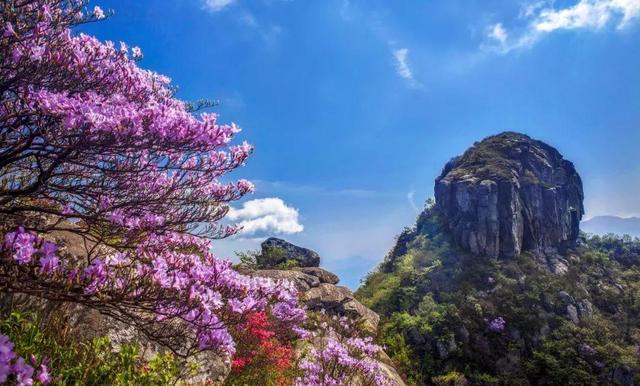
(97, 362)
(265, 353)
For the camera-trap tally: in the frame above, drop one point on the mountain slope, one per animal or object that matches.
(562, 309)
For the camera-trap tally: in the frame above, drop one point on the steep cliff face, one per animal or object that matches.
(510, 193)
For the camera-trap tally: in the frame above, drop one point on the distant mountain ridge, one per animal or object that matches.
(612, 224)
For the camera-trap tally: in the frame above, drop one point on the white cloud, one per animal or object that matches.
(218, 5)
(266, 216)
(268, 32)
(401, 56)
(402, 67)
(530, 9)
(497, 32)
(543, 19)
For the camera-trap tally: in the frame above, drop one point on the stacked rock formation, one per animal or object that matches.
(319, 288)
(510, 193)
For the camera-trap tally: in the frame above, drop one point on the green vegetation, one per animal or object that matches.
(270, 257)
(489, 159)
(437, 304)
(87, 363)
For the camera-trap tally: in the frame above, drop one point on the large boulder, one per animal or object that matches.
(276, 252)
(318, 290)
(510, 193)
(338, 300)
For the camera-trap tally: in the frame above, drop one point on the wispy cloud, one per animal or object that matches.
(540, 18)
(345, 10)
(269, 33)
(217, 5)
(266, 216)
(498, 33)
(279, 188)
(411, 197)
(403, 69)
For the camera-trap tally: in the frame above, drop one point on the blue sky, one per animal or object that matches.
(355, 106)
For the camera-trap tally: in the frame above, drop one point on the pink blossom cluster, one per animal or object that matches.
(202, 291)
(341, 356)
(26, 247)
(110, 127)
(497, 325)
(11, 365)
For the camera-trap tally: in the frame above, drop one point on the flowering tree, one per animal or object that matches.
(93, 146)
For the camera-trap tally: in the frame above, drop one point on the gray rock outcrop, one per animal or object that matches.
(302, 281)
(277, 251)
(510, 193)
(320, 295)
(322, 274)
(340, 301)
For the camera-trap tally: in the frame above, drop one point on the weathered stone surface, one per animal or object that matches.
(317, 295)
(392, 374)
(339, 300)
(387, 366)
(302, 281)
(572, 314)
(586, 351)
(322, 274)
(585, 308)
(383, 360)
(510, 193)
(303, 256)
(86, 324)
(565, 297)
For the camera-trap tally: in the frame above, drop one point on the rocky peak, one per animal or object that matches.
(510, 193)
